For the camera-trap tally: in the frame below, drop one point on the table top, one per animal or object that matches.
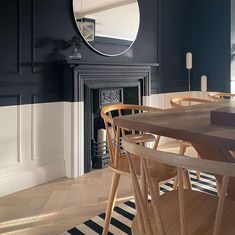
(190, 123)
(193, 124)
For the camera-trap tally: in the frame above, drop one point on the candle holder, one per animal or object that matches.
(203, 83)
(189, 67)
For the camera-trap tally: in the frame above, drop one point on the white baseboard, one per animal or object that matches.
(26, 179)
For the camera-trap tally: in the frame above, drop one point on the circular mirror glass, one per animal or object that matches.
(109, 26)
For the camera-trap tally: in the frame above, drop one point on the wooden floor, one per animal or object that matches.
(56, 206)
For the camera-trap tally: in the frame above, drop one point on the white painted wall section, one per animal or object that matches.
(31, 145)
(42, 142)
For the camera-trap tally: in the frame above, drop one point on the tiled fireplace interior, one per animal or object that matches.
(97, 134)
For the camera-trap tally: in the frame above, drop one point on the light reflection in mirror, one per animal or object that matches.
(109, 27)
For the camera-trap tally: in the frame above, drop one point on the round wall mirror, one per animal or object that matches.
(109, 26)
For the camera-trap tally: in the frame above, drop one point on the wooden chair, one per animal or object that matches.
(178, 102)
(118, 160)
(184, 212)
(216, 96)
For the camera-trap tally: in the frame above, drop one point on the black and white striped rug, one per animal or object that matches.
(124, 213)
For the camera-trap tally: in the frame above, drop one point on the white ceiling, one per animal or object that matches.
(113, 18)
(94, 5)
(120, 22)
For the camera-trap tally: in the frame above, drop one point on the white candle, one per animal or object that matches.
(203, 83)
(189, 60)
(101, 137)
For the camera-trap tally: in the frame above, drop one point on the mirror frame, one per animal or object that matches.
(94, 49)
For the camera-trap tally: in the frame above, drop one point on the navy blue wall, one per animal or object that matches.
(211, 43)
(174, 40)
(34, 32)
(164, 37)
(20, 80)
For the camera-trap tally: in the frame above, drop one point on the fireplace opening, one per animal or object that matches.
(99, 154)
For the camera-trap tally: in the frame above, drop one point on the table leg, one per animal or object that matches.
(186, 180)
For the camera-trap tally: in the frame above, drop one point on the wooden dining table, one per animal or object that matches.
(192, 124)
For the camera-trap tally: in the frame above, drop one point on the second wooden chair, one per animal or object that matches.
(118, 161)
(216, 96)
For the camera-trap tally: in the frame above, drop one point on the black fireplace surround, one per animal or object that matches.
(83, 83)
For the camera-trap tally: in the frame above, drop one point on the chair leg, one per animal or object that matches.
(175, 185)
(218, 186)
(198, 175)
(111, 202)
(157, 140)
(182, 149)
(186, 180)
(198, 172)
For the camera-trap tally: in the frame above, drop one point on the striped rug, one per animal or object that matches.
(124, 213)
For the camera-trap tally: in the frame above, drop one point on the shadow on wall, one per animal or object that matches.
(55, 46)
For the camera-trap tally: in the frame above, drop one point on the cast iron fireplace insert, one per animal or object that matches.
(101, 97)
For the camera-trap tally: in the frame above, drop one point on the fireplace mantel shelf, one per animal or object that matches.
(78, 62)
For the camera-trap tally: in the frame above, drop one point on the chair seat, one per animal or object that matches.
(140, 138)
(122, 167)
(159, 171)
(200, 216)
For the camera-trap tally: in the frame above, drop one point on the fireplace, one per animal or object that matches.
(89, 86)
(101, 97)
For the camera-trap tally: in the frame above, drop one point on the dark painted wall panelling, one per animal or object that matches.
(10, 37)
(53, 27)
(211, 43)
(10, 100)
(17, 78)
(34, 32)
(174, 40)
(233, 40)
